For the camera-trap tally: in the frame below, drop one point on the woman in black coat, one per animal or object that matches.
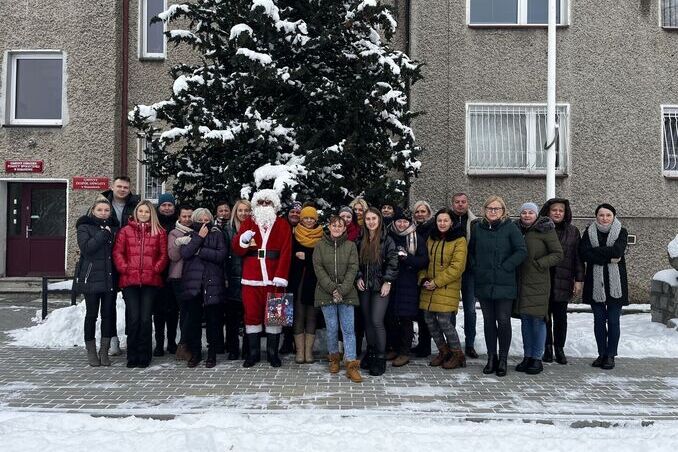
(602, 248)
(203, 286)
(404, 304)
(378, 269)
(96, 278)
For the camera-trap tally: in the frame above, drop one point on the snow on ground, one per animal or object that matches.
(326, 431)
(669, 276)
(640, 337)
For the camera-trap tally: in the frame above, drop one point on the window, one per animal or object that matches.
(510, 139)
(514, 12)
(670, 140)
(152, 44)
(35, 88)
(148, 187)
(669, 13)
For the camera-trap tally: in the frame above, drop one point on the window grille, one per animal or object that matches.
(670, 141)
(669, 10)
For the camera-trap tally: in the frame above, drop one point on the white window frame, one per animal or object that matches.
(143, 34)
(673, 109)
(8, 103)
(521, 21)
(142, 172)
(530, 169)
(661, 17)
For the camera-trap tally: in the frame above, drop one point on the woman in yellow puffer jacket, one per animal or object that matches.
(441, 284)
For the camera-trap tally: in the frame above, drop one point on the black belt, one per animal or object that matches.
(264, 254)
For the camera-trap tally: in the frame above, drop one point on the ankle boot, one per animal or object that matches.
(502, 367)
(560, 355)
(378, 365)
(300, 347)
(272, 347)
(535, 367)
(548, 354)
(353, 371)
(524, 364)
(457, 359)
(444, 353)
(608, 363)
(334, 360)
(308, 348)
(103, 351)
(287, 346)
(253, 349)
(115, 347)
(182, 354)
(491, 366)
(92, 357)
(366, 362)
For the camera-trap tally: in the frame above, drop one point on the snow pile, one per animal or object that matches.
(669, 276)
(673, 248)
(283, 176)
(61, 285)
(240, 28)
(297, 430)
(64, 328)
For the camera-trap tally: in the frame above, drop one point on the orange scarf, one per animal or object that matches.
(307, 237)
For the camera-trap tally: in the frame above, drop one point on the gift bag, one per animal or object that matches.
(279, 309)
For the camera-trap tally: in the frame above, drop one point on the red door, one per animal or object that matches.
(36, 229)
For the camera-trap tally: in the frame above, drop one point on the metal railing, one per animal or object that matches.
(46, 291)
(670, 140)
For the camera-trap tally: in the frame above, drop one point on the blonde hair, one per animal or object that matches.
(155, 224)
(500, 200)
(418, 204)
(199, 212)
(234, 212)
(360, 201)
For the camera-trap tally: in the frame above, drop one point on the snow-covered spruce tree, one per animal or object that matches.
(302, 92)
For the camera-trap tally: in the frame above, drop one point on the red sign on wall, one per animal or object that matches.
(24, 166)
(90, 183)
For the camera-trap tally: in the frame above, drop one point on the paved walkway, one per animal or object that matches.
(59, 380)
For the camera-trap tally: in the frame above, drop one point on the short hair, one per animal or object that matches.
(123, 178)
(222, 202)
(459, 195)
(500, 200)
(337, 219)
(184, 207)
(199, 212)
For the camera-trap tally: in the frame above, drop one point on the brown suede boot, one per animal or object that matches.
(335, 361)
(308, 349)
(444, 353)
(456, 360)
(353, 371)
(299, 346)
(182, 353)
(400, 360)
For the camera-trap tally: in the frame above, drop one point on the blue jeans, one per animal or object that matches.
(534, 335)
(606, 327)
(340, 314)
(468, 299)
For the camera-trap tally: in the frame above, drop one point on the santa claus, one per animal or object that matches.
(265, 243)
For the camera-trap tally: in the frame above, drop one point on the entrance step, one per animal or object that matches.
(21, 285)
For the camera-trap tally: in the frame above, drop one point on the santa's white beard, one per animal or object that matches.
(264, 216)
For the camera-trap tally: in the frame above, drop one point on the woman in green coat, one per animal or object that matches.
(496, 251)
(534, 283)
(335, 261)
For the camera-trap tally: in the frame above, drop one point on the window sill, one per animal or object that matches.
(670, 174)
(511, 173)
(152, 58)
(540, 26)
(670, 27)
(25, 126)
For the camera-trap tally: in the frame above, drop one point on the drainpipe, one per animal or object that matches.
(551, 133)
(124, 88)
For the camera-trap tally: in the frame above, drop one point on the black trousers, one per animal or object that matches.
(556, 325)
(424, 343)
(214, 327)
(399, 333)
(105, 300)
(374, 307)
(165, 315)
(138, 310)
(233, 319)
(497, 325)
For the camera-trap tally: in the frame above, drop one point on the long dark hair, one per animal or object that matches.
(370, 247)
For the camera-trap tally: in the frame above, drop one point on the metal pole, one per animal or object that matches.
(551, 105)
(44, 297)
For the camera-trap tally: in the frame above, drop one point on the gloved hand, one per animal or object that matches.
(279, 282)
(246, 237)
(182, 240)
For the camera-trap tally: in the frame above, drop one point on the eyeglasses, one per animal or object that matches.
(494, 209)
(264, 202)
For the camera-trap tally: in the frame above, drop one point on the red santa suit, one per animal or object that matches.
(266, 264)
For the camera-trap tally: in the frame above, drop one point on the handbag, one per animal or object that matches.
(279, 309)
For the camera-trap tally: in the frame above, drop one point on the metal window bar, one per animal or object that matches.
(511, 138)
(670, 144)
(670, 13)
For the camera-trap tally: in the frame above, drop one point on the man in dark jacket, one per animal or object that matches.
(463, 215)
(165, 306)
(123, 203)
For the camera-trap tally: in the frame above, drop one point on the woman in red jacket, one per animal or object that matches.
(140, 255)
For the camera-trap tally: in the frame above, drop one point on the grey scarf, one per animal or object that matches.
(410, 235)
(612, 267)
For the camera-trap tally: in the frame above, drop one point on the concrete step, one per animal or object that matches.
(20, 285)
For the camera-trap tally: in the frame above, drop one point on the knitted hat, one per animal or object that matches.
(608, 207)
(346, 209)
(530, 206)
(296, 205)
(309, 212)
(402, 214)
(167, 197)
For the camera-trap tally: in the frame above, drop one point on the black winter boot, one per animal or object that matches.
(491, 366)
(288, 341)
(272, 346)
(535, 367)
(548, 354)
(378, 365)
(502, 367)
(253, 349)
(560, 355)
(524, 364)
(366, 362)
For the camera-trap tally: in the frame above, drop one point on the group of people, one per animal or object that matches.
(369, 273)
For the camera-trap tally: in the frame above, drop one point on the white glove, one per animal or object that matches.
(182, 240)
(246, 237)
(279, 282)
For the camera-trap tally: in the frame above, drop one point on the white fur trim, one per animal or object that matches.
(280, 282)
(274, 329)
(255, 283)
(269, 194)
(251, 329)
